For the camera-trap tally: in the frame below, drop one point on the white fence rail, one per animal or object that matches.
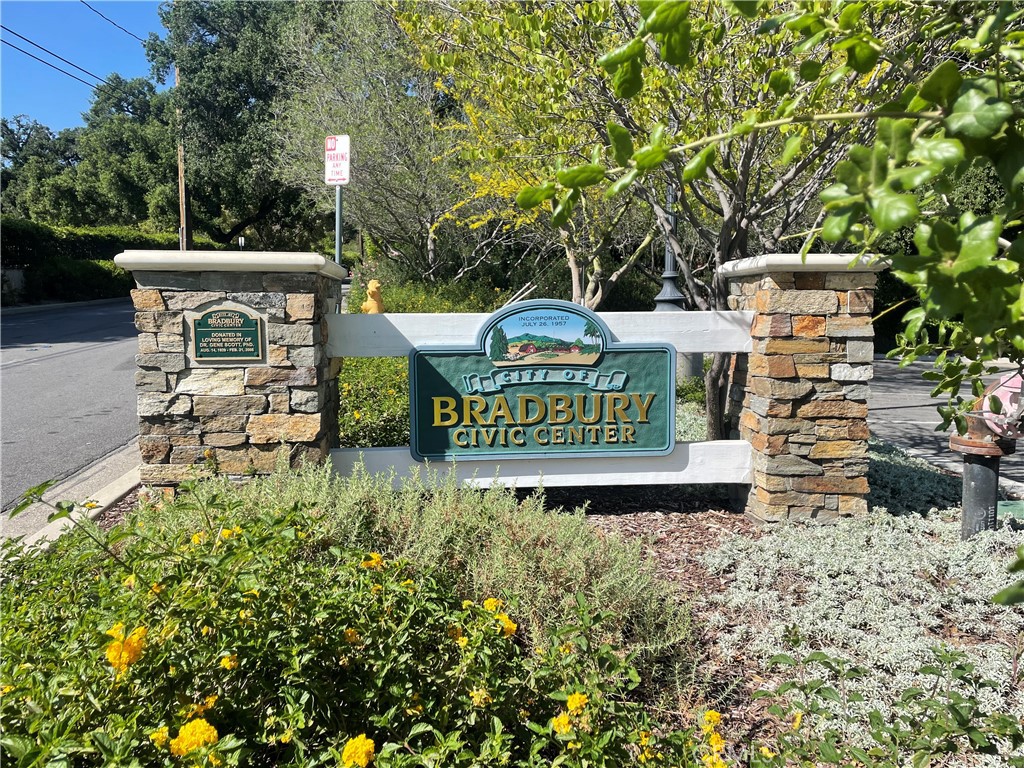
(396, 335)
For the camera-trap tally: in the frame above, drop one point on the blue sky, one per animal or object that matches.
(71, 30)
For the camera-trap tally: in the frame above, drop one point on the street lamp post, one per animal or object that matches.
(671, 299)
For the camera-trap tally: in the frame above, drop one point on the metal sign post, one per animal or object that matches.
(336, 174)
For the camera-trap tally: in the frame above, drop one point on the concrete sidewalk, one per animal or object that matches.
(902, 412)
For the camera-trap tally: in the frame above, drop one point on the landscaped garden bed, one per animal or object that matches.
(297, 618)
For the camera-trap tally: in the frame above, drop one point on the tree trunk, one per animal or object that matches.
(714, 394)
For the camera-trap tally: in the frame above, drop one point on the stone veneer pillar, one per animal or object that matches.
(800, 397)
(240, 418)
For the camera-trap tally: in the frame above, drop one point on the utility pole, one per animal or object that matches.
(184, 201)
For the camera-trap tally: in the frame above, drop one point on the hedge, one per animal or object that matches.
(25, 243)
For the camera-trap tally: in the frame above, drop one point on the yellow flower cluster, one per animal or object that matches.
(194, 735)
(159, 737)
(508, 627)
(576, 702)
(492, 604)
(123, 651)
(561, 724)
(198, 710)
(373, 561)
(229, 662)
(480, 697)
(358, 752)
(709, 723)
(647, 752)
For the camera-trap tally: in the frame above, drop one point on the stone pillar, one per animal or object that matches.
(202, 411)
(800, 397)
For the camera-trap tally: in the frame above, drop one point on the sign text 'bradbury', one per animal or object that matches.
(544, 379)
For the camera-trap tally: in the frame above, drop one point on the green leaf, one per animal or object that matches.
(834, 193)
(1010, 163)
(649, 157)
(890, 211)
(810, 70)
(697, 167)
(585, 175)
(911, 177)
(850, 16)
(748, 8)
(896, 134)
(628, 52)
(620, 184)
(946, 152)
(837, 224)
(862, 57)
(782, 659)
(942, 84)
(531, 197)
(668, 16)
(675, 45)
(628, 79)
(622, 142)
(781, 82)
(976, 114)
(792, 147)
(647, 7)
(565, 208)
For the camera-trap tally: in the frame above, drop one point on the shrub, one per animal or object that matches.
(374, 406)
(251, 640)
(76, 280)
(26, 243)
(483, 543)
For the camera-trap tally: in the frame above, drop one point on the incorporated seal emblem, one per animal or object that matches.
(545, 378)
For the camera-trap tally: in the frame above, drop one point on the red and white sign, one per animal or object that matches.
(336, 156)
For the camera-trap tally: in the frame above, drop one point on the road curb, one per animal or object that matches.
(26, 310)
(107, 496)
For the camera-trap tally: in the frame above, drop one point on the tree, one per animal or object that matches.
(30, 154)
(530, 72)
(499, 344)
(352, 71)
(229, 71)
(963, 73)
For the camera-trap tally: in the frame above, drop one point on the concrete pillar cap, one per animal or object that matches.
(812, 262)
(229, 261)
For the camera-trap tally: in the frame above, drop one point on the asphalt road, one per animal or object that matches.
(901, 411)
(67, 391)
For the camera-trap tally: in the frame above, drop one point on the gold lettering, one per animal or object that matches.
(628, 430)
(524, 409)
(517, 436)
(611, 433)
(501, 410)
(581, 416)
(445, 406)
(561, 410)
(460, 437)
(473, 409)
(643, 406)
(575, 435)
(616, 408)
(557, 435)
(540, 435)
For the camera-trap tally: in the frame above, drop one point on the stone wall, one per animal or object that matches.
(800, 397)
(239, 418)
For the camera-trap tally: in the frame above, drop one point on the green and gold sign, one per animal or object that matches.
(544, 379)
(226, 335)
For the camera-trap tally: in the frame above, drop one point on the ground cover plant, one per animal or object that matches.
(226, 629)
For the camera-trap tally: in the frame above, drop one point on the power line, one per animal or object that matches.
(52, 66)
(56, 56)
(112, 22)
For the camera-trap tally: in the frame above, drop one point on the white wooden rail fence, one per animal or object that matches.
(396, 335)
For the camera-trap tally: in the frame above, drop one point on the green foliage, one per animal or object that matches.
(62, 279)
(245, 611)
(374, 407)
(26, 243)
(941, 718)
